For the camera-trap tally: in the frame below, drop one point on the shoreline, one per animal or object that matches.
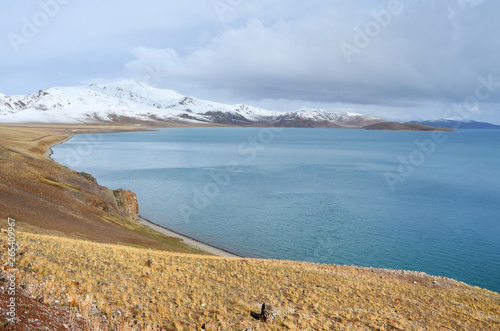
(153, 226)
(48, 153)
(187, 240)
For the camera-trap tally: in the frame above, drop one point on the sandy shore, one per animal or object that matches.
(189, 241)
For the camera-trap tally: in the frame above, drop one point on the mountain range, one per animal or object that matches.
(131, 102)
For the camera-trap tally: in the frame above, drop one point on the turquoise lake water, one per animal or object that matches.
(402, 200)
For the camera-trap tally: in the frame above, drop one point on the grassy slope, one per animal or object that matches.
(185, 291)
(48, 198)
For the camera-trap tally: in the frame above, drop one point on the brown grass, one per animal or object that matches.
(176, 291)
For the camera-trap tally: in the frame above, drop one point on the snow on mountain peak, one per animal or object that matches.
(138, 92)
(139, 103)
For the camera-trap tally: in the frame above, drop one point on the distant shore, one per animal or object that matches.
(158, 228)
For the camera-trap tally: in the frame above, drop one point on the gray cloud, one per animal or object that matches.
(430, 51)
(426, 56)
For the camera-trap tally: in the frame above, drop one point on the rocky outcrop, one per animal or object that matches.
(127, 203)
(88, 177)
(100, 204)
(268, 313)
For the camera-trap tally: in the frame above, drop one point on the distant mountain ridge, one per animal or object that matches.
(456, 125)
(131, 102)
(407, 126)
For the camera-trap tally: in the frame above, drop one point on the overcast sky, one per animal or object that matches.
(412, 59)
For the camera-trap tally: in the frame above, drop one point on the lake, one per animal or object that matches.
(388, 199)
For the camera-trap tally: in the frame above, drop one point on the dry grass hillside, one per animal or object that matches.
(122, 288)
(84, 267)
(48, 198)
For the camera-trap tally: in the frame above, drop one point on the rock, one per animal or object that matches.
(88, 177)
(98, 203)
(127, 203)
(117, 313)
(208, 327)
(136, 310)
(267, 313)
(94, 311)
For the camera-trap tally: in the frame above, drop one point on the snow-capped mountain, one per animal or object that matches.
(132, 102)
(319, 118)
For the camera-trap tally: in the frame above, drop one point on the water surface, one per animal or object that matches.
(366, 198)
